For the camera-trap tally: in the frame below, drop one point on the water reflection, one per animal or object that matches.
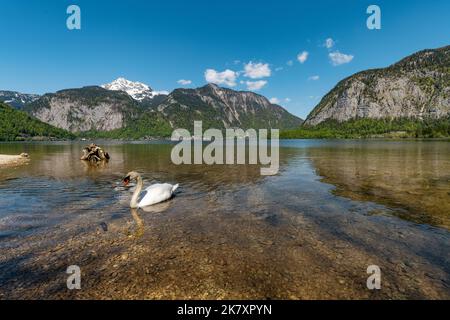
(229, 232)
(90, 167)
(411, 176)
(140, 229)
(157, 208)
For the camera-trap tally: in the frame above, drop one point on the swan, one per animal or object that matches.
(154, 194)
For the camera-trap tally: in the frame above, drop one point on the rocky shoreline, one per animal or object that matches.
(6, 160)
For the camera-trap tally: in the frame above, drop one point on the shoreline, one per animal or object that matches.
(10, 160)
(156, 139)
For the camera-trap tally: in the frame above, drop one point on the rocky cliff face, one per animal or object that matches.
(99, 109)
(416, 87)
(84, 109)
(18, 125)
(224, 108)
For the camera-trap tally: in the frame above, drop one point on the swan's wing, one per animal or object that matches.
(156, 193)
(159, 186)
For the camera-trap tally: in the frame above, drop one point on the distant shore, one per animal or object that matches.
(376, 137)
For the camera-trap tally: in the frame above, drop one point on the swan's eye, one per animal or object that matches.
(126, 180)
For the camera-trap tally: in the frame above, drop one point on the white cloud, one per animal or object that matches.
(290, 63)
(302, 57)
(257, 70)
(279, 69)
(227, 77)
(274, 100)
(329, 43)
(314, 78)
(184, 82)
(255, 85)
(338, 58)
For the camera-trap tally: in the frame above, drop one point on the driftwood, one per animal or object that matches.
(94, 153)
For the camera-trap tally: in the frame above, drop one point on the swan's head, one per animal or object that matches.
(130, 176)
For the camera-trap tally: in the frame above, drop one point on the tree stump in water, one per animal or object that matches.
(94, 153)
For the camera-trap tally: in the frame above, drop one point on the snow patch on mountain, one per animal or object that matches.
(137, 90)
(16, 99)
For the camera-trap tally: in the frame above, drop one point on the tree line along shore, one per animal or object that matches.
(17, 125)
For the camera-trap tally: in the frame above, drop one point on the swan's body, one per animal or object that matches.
(154, 194)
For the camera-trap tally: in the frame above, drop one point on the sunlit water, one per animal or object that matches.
(311, 231)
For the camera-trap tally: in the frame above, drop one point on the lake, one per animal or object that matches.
(311, 231)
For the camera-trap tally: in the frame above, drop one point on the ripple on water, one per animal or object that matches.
(332, 209)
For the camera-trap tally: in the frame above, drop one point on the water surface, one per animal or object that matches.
(311, 231)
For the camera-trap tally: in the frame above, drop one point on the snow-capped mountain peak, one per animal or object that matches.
(16, 99)
(137, 90)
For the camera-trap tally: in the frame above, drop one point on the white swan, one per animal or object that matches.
(156, 193)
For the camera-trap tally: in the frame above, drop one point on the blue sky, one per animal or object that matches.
(162, 42)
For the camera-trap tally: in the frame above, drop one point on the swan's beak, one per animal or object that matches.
(126, 180)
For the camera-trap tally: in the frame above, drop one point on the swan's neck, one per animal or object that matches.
(134, 198)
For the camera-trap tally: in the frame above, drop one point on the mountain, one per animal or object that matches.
(18, 125)
(85, 109)
(224, 108)
(16, 99)
(137, 90)
(417, 87)
(96, 109)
